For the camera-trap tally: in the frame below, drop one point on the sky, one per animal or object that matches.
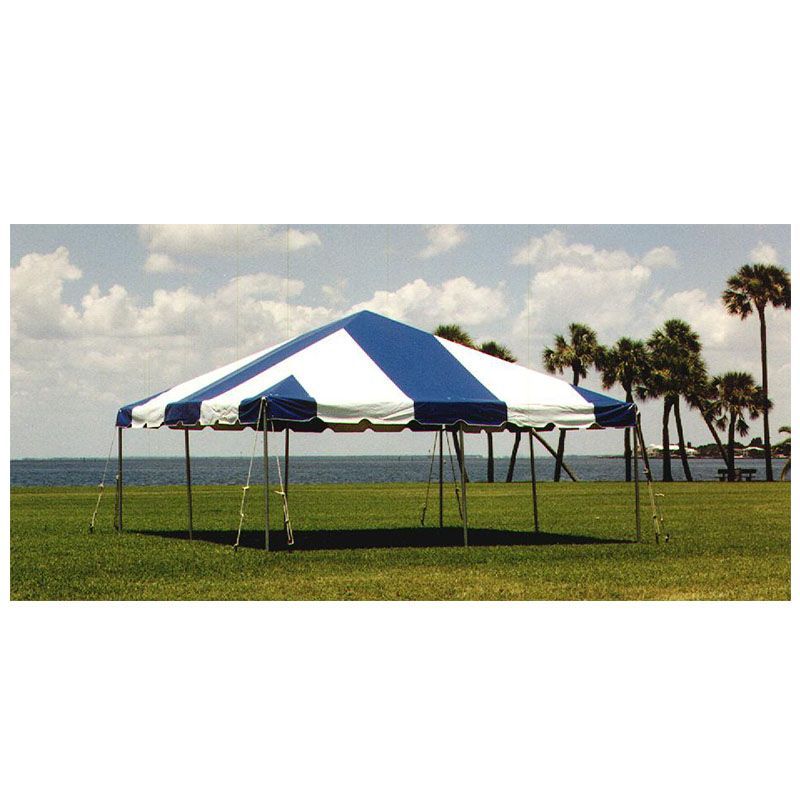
(105, 315)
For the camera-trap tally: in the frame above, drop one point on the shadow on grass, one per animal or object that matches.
(385, 538)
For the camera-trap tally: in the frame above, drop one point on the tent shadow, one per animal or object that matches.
(386, 538)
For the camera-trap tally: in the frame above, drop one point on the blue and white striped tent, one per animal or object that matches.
(367, 371)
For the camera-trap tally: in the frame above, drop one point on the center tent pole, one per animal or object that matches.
(266, 476)
(636, 486)
(533, 485)
(188, 481)
(463, 483)
(441, 477)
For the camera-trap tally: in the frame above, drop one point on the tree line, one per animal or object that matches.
(668, 366)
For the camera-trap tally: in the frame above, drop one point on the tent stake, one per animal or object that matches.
(463, 484)
(188, 482)
(441, 478)
(119, 479)
(533, 486)
(636, 487)
(266, 478)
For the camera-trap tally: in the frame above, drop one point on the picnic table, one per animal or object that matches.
(739, 473)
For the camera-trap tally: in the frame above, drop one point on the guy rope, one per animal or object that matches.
(245, 490)
(281, 492)
(430, 478)
(455, 480)
(102, 484)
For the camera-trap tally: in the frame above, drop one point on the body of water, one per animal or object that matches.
(338, 469)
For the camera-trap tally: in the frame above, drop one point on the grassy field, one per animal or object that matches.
(728, 541)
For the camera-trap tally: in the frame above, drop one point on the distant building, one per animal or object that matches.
(656, 450)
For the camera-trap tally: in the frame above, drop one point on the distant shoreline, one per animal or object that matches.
(469, 456)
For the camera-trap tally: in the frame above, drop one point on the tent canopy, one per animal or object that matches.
(367, 371)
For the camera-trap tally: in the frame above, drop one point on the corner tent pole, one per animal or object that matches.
(266, 477)
(286, 465)
(636, 487)
(119, 479)
(533, 486)
(441, 477)
(188, 481)
(658, 520)
(463, 484)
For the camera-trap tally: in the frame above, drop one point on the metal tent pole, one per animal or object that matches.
(119, 479)
(658, 520)
(553, 453)
(286, 465)
(266, 478)
(463, 484)
(636, 487)
(286, 523)
(188, 481)
(441, 477)
(533, 486)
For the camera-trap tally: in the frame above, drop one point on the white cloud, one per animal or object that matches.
(458, 300)
(161, 262)
(116, 346)
(606, 299)
(552, 250)
(612, 292)
(224, 240)
(442, 238)
(728, 341)
(660, 257)
(764, 253)
(576, 282)
(37, 283)
(334, 292)
(259, 284)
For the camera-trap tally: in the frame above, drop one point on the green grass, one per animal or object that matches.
(728, 541)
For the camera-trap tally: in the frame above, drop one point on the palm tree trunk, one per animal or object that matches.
(731, 432)
(767, 446)
(559, 455)
(490, 458)
(576, 376)
(721, 447)
(458, 456)
(681, 443)
(666, 464)
(513, 460)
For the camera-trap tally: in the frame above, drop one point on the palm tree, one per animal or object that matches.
(492, 348)
(703, 397)
(578, 353)
(455, 333)
(626, 363)
(676, 368)
(786, 444)
(759, 286)
(738, 394)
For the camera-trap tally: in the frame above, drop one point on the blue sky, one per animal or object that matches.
(103, 315)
